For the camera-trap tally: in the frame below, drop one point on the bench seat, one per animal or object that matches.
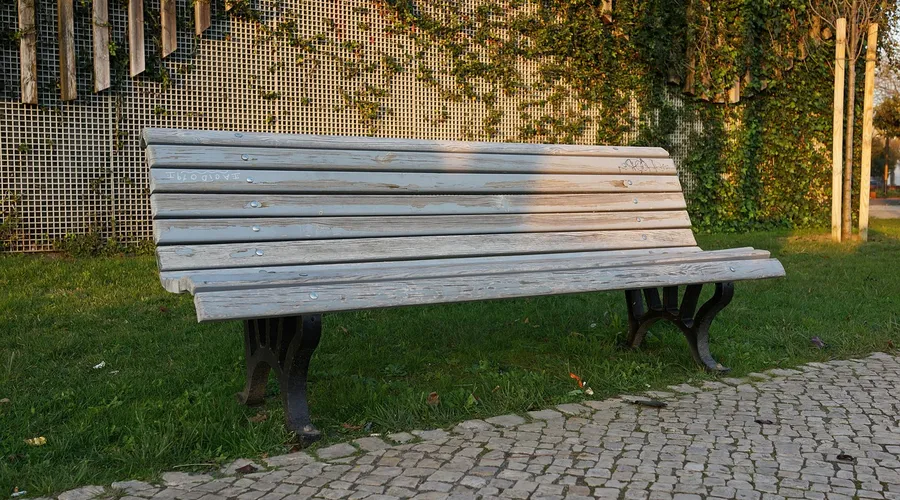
(276, 230)
(266, 292)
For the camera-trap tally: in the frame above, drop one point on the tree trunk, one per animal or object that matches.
(847, 194)
(887, 162)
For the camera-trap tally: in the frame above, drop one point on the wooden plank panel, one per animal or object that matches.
(260, 139)
(168, 205)
(260, 277)
(202, 20)
(136, 36)
(68, 90)
(178, 231)
(182, 257)
(168, 24)
(318, 298)
(218, 157)
(101, 45)
(164, 180)
(28, 51)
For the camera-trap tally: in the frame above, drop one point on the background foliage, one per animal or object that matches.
(762, 162)
(577, 74)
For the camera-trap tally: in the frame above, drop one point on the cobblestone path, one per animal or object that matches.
(824, 431)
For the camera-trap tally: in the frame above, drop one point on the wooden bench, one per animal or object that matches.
(276, 230)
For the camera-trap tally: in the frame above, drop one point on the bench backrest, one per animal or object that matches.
(228, 200)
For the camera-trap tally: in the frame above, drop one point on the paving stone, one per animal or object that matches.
(506, 420)
(370, 443)
(83, 493)
(182, 479)
(473, 425)
(336, 451)
(545, 414)
(401, 437)
(432, 435)
(132, 487)
(289, 460)
(684, 389)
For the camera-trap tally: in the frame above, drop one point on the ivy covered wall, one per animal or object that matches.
(739, 91)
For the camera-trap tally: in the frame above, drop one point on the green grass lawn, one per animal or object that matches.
(165, 398)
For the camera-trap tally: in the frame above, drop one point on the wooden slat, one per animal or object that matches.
(217, 157)
(68, 90)
(163, 180)
(182, 257)
(168, 205)
(286, 301)
(202, 20)
(28, 51)
(101, 45)
(258, 139)
(136, 36)
(168, 25)
(178, 231)
(258, 277)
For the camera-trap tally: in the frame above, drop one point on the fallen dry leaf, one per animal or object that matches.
(163, 309)
(577, 379)
(4, 400)
(433, 399)
(351, 427)
(259, 417)
(247, 469)
(38, 441)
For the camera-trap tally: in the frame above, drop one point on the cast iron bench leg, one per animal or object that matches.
(285, 345)
(694, 326)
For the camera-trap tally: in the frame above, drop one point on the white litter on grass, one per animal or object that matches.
(100, 365)
(593, 325)
(18, 493)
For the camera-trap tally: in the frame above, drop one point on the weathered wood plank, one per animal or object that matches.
(168, 24)
(202, 20)
(179, 231)
(136, 37)
(258, 139)
(261, 277)
(28, 51)
(183, 257)
(169, 205)
(219, 157)
(164, 180)
(100, 27)
(68, 88)
(287, 301)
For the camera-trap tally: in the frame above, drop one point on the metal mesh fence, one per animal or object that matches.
(77, 167)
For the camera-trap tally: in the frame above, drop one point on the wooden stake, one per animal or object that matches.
(68, 90)
(168, 22)
(840, 63)
(867, 133)
(101, 45)
(201, 16)
(28, 51)
(136, 36)
(606, 11)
